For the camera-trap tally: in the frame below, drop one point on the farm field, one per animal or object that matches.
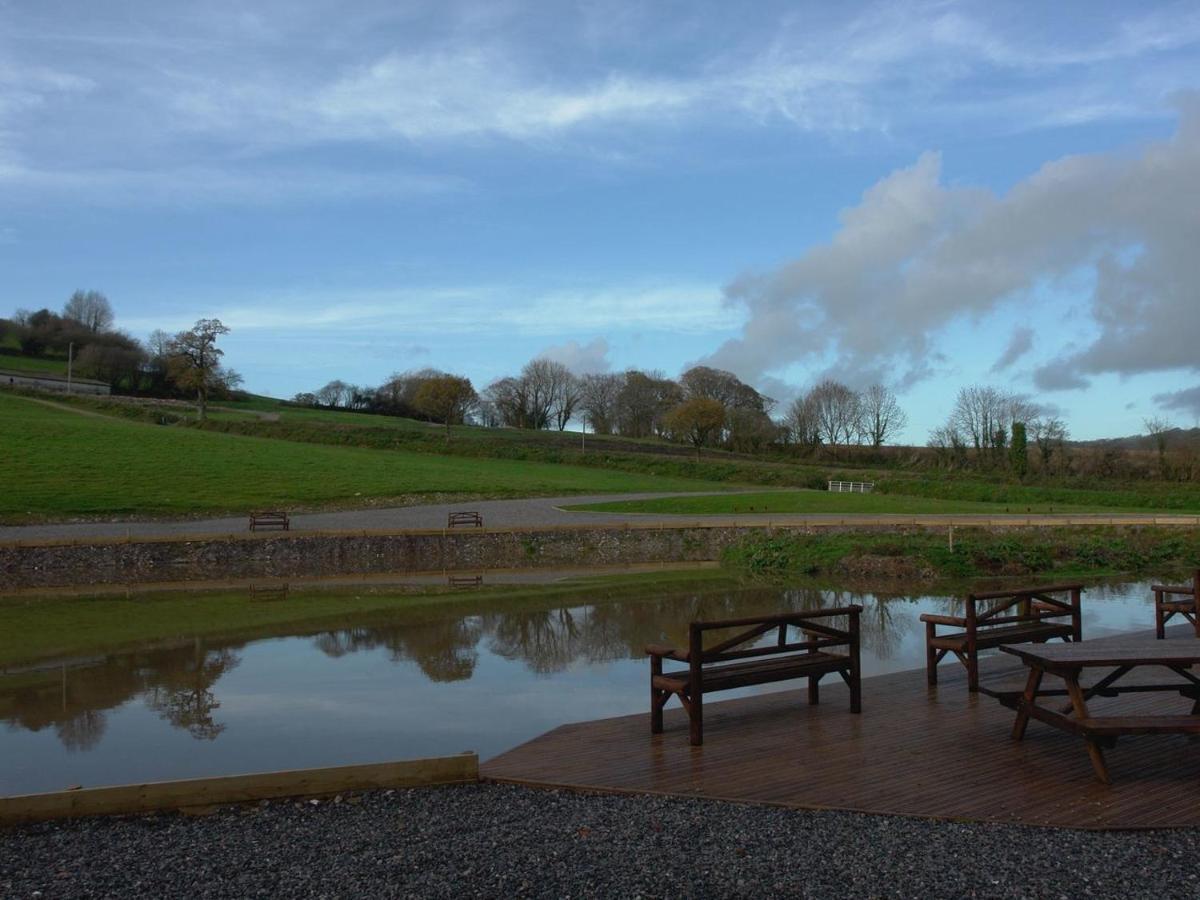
(59, 464)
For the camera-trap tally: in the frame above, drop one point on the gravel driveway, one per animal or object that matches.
(504, 841)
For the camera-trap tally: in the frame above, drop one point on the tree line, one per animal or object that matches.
(185, 364)
(704, 407)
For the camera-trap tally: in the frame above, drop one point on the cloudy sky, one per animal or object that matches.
(927, 194)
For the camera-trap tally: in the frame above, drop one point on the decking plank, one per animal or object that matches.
(917, 751)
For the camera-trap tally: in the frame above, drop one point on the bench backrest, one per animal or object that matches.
(751, 629)
(1034, 604)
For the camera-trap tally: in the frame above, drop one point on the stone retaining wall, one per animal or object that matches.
(295, 555)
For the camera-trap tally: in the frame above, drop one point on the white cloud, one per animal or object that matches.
(581, 359)
(915, 254)
(485, 309)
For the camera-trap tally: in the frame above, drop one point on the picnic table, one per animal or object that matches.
(1068, 661)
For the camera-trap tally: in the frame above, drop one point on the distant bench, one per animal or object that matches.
(715, 669)
(1166, 606)
(469, 519)
(1032, 621)
(270, 520)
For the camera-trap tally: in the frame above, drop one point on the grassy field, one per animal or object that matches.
(1045, 553)
(58, 464)
(19, 363)
(823, 502)
(40, 628)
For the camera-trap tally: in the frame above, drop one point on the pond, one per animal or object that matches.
(467, 674)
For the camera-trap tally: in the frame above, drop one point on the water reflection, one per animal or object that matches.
(392, 686)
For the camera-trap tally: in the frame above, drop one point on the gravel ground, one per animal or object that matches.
(503, 841)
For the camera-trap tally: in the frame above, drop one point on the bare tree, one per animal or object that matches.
(1050, 436)
(882, 417)
(90, 309)
(837, 410)
(802, 421)
(196, 360)
(598, 396)
(333, 395)
(1158, 428)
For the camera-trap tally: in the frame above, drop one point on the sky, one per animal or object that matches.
(926, 194)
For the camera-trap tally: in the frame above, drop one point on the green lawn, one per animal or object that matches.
(818, 502)
(58, 464)
(19, 363)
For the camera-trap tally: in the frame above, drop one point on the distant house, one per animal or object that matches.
(48, 381)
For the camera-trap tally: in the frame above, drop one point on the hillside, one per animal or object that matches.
(62, 463)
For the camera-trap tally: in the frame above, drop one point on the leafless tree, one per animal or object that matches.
(802, 421)
(598, 396)
(882, 417)
(1158, 428)
(1050, 436)
(837, 410)
(333, 395)
(90, 309)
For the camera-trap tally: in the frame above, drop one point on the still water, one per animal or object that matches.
(466, 675)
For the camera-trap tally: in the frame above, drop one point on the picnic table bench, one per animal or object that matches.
(1068, 661)
(1034, 620)
(1165, 606)
(723, 666)
(271, 519)
(468, 518)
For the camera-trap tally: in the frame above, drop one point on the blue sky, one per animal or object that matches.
(928, 194)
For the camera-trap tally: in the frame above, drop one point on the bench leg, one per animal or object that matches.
(931, 656)
(1027, 700)
(658, 699)
(696, 720)
(1081, 712)
(972, 662)
(814, 690)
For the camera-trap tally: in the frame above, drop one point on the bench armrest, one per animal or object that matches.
(666, 652)
(958, 621)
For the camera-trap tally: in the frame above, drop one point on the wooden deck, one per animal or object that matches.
(936, 752)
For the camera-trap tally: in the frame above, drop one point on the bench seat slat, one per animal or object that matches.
(721, 678)
(1115, 725)
(1006, 634)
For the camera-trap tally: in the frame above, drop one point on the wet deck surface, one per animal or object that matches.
(914, 751)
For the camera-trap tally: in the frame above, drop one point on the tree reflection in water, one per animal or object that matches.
(180, 683)
(182, 693)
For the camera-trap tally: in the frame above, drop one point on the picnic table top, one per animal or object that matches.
(1131, 651)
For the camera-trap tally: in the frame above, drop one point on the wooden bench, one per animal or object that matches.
(1165, 606)
(469, 519)
(724, 666)
(1033, 621)
(461, 581)
(270, 520)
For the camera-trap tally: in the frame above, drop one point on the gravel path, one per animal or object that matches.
(532, 512)
(502, 841)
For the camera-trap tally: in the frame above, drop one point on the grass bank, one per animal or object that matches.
(35, 628)
(927, 554)
(59, 463)
(823, 502)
